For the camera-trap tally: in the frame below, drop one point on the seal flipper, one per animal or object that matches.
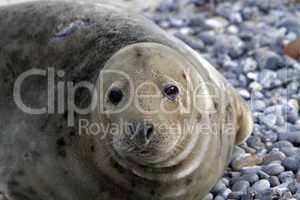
(244, 121)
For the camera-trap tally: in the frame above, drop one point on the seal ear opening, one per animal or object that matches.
(244, 121)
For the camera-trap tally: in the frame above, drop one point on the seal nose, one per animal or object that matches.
(146, 130)
(143, 132)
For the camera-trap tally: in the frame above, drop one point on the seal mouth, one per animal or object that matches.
(147, 155)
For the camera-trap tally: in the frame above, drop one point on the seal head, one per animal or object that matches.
(146, 95)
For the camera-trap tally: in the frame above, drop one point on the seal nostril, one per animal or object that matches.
(149, 131)
(131, 130)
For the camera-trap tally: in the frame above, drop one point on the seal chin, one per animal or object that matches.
(153, 156)
(145, 154)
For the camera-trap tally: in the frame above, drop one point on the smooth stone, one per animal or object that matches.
(291, 111)
(261, 152)
(268, 79)
(177, 23)
(264, 195)
(291, 163)
(269, 120)
(218, 187)
(273, 169)
(281, 189)
(196, 20)
(255, 86)
(208, 37)
(255, 142)
(293, 187)
(290, 23)
(261, 185)
(224, 9)
(238, 152)
(235, 195)
(263, 175)
(270, 138)
(249, 196)
(249, 64)
(232, 29)
(293, 137)
(216, 23)
(234, 175)
(164, 24)
(167, 6)
(274, 181)
(258, 95)
(258, 105)
(250, 12)
(241, 186)
(268, 59)
(186, 31)
(248, 149)
(251, 178)
(252, 75)
(230, 65)
(235, 18)
(273, 156)
(288, 195)
(225, 193)
(243, 81)
(219, 197)
(287, 177)
(293, 103)
(298, 187)
(245, 94)
(298, 176)
(251, 170)
(210, 196)
(231, 45)
(282, 144)
(290, 151)
(225, 181)
(246, 161)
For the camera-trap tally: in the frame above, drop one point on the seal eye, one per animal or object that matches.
(115, 96)
(171, 92)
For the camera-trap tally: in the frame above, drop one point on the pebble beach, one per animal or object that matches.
(246, 41)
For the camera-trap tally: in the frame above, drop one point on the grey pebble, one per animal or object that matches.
(220, 186)
(263, 175)
(293, 137)
(251, 170)
(249, 64)
(269, 60)
(210, 196)
(241, 186)
(274, 181)
(290, 151)
(292, 163)
(244, 40)
(219, 197)
(273, 156)
(225, 193)
(287, 177)
(273, 169)
(281, 144)
(261, 185)
(251, 178)
(268, 79)
(236, 195)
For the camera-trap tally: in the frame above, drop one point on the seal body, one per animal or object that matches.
(51, 56)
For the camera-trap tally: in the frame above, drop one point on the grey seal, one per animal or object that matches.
(49, 148)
